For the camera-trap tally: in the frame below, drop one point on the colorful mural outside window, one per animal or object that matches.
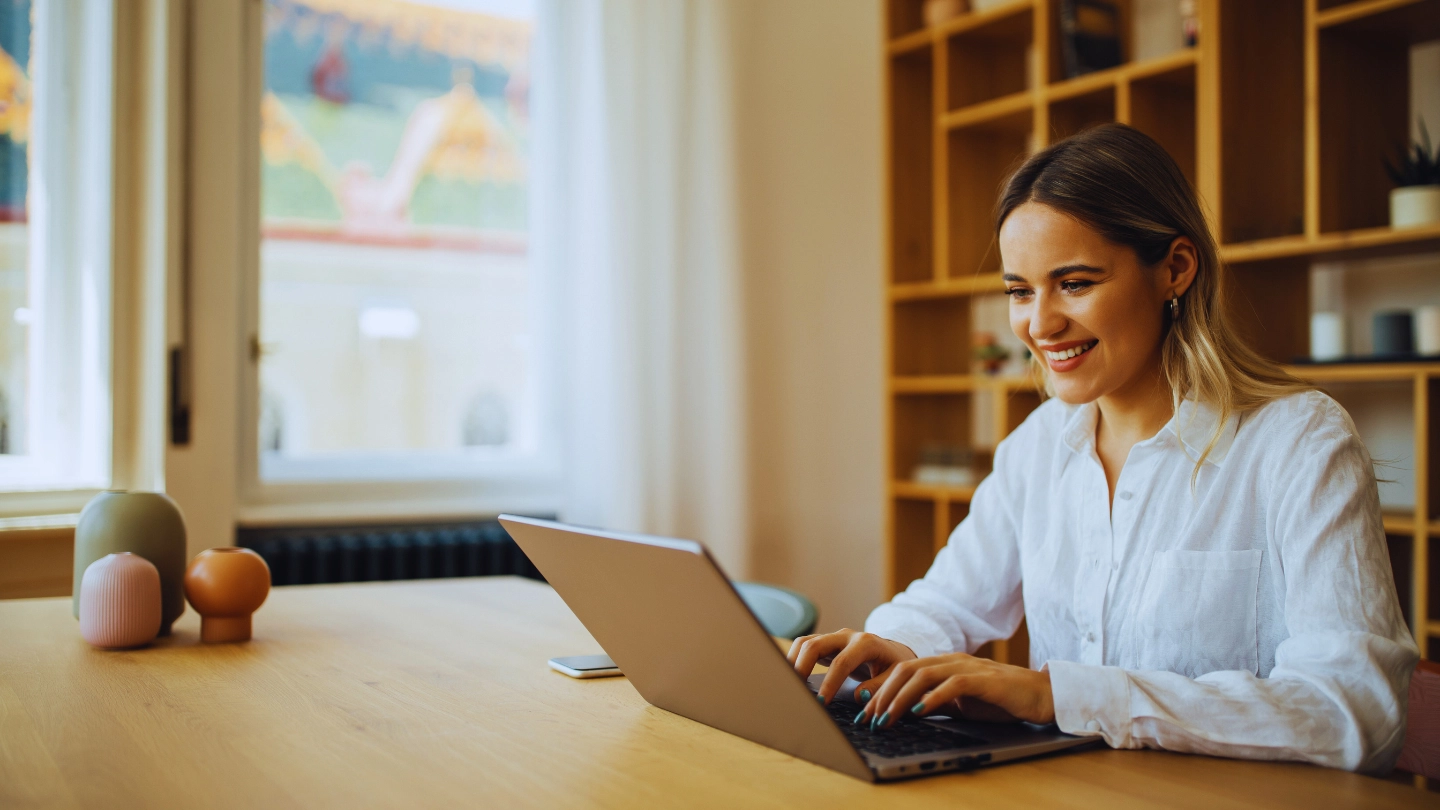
(15, 314)
(387, 122)
(395, 310)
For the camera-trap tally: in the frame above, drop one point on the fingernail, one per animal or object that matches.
(884, 718)
(859, 718)
(919, 708)
(864, 696)
(820, 698)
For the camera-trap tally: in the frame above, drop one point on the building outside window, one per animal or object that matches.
(55, 184)
(398, 335)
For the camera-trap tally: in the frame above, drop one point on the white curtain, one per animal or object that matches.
(635, 232)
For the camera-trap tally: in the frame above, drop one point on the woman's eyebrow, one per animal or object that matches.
(1064, 270)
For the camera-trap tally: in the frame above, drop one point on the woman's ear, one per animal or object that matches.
(1179, 267)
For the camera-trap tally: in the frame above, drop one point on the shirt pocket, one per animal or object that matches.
(1198, 612)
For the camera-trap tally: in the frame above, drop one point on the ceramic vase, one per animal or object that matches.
(120, 601)
(1414, 206)
(225, 586)
(143, 523)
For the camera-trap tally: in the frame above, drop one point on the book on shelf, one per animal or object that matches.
(1089, 35)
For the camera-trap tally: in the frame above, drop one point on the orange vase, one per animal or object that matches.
(225, 586)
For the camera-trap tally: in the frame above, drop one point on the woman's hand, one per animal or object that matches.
(868, 656)
(963, 685)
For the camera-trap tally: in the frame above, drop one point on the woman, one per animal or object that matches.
(1193, 536)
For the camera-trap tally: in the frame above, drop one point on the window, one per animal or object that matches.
(398, 335)
(55, 182)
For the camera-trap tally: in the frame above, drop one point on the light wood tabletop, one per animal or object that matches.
(436, 694)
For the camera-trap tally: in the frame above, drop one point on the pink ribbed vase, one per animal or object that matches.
(120, 601)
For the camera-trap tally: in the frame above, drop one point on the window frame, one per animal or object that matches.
(370, 486)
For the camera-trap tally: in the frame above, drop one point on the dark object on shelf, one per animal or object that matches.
(1419, 165)
(309, 555)
(1394, 333)
(1089, 35)
(1411, 357)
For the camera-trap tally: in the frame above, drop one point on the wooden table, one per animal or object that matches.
(436, 694)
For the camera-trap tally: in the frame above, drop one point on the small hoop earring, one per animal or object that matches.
(1175, 308)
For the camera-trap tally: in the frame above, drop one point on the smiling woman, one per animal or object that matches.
(1192, 536)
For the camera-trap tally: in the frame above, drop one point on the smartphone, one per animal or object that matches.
(585, 666)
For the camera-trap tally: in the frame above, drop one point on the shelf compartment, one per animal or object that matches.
(1364, 372)
(931, 337)
(961, 383)
(913, 537)
(913, 41)
(1367, 243)
(1363, 98)
(930, 492)
(904, 17)
(989, 55)
(1262, 120)
(977, 284)
(912, 168)
(1416, 20)
(927, 419)
(981, 155)
(1007, 113)
(1269, 304)
(1074, 114)
(1162, 105)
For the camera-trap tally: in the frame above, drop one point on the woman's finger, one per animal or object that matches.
(954, 688)
(862, 649)
(899, 675)
(794, 651)
(908, 695)
(817, 647)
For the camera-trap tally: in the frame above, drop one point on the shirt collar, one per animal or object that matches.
(1193, 424)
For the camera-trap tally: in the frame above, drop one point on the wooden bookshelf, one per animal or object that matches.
(1264, 115)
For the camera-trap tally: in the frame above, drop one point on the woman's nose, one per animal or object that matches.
(1046, 320)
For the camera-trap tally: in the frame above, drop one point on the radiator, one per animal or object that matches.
(309, 555)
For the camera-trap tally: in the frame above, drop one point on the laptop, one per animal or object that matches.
(677, 628)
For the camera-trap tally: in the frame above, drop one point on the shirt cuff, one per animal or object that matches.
(1091, 701)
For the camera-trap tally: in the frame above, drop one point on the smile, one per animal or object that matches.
(1073, 351)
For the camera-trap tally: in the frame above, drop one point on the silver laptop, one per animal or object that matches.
(676, 627)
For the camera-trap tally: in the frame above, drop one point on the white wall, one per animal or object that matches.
(808, 106)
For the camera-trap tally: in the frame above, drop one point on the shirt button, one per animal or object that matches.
(1125, 496)
(1092, 726)
(1090, 637)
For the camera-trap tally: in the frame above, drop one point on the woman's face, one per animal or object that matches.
(1086, 307)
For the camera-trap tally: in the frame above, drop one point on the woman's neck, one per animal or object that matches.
(1137, 410)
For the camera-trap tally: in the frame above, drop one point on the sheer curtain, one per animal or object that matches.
(635, 235)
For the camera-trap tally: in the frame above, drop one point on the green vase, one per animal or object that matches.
(145, 523)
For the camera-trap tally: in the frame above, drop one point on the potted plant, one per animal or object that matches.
(1416, 200)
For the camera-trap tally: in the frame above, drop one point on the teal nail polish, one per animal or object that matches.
(859, 718)
(820, 698)
(884, 718)
(864, 696)
(919, 708)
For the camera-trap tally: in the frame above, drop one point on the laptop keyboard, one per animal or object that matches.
(906, 737)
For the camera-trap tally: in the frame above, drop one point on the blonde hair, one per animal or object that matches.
(1126, 186)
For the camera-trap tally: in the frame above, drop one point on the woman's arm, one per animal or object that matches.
(1336, 695)
(970, 595)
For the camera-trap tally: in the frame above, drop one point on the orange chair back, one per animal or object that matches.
(1421, 754)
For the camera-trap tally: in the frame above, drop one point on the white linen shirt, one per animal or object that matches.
(1252, 616)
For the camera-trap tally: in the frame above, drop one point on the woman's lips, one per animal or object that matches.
(1068, 356)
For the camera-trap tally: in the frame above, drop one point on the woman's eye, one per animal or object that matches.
(1017, 292)
(1074, 286)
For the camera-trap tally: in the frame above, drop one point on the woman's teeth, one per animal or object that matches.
(1075, 351)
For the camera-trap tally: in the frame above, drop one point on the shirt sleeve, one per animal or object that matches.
(971, 594)
(1337, 693)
